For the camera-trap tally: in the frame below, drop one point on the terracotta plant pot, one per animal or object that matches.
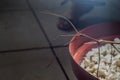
(78, 49)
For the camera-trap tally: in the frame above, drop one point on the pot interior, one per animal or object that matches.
(78, 47)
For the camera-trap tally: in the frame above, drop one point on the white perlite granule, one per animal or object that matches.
(109, 68)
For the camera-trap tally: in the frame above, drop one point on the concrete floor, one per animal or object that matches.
(30, 45)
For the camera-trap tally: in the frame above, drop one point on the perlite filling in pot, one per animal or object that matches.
(109, 66)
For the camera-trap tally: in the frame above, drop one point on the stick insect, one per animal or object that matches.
(96, 41)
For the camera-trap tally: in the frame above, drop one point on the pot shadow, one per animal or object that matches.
(90, 21)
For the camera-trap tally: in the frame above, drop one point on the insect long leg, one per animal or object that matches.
(99, 58)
